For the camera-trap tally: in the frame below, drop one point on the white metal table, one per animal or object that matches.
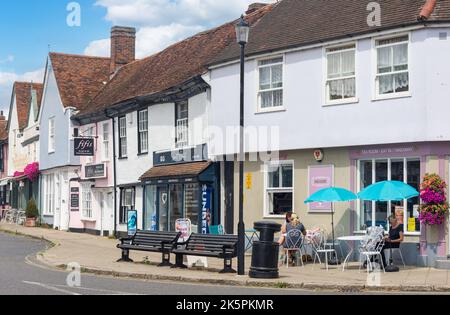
(348, 239)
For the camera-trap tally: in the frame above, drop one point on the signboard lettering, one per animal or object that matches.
(84, 146)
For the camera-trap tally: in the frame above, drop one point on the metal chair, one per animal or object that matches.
(319, 247)
(400, 252)
(371, 247)
(294, 243)
(338, 232)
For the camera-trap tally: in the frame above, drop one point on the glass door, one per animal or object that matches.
(163, 207)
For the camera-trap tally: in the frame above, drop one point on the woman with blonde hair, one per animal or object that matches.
(294, 224)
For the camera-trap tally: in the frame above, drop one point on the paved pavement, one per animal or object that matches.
(96, 254)
(21, 274)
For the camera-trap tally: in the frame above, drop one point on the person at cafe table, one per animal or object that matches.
(395, 237)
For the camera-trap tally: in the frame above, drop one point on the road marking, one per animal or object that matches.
(51, 288)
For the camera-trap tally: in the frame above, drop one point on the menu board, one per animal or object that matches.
(320, 177)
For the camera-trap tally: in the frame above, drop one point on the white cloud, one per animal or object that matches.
(161, 23)
(8, 59)
(7, 80)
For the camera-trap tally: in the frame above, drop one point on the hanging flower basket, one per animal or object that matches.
(434, 209)
(32, 171)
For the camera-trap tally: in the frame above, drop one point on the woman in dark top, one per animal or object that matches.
(394, 238)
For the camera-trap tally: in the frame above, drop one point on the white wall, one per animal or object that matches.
(306, 123)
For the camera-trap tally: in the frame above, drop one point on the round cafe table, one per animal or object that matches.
(349, 240)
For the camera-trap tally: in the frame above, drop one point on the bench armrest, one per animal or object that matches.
(125, 239)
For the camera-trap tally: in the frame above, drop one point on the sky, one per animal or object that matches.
(29, 29)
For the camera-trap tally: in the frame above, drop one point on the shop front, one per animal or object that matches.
(181, 191)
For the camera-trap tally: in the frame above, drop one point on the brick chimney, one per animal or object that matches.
(255, 7)
(123, 47)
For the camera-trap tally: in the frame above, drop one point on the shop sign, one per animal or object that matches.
(206, 209)
(84, 146)
(75, 199)
(95, 171)
(132, 222)
(185, 227)
(249, 181)
(320, 177)
(196, 154)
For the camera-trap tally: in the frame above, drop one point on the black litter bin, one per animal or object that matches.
(265, 252)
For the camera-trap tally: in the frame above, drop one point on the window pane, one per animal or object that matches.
(287, 175)
(401, 82)
(266, 99)
(264, 78)
(413, 171)
(270, 61)
(349, 86)
(277, 76)
(381, 208)
(274, 177)
(150, 219)
(191, 204)
(366, 206)
(334, 65)
(348, 63)
(280, 203)
(400, 55)
(277, 98)
(397, 170)
(384, 59)
(386, 84)
(175, 205)
(336, 90)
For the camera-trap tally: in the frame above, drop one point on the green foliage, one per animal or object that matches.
(32, 210)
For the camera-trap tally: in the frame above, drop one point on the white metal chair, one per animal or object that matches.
(319, 247)
(399, 250)
(294, 243)
(371, 247)
(338, 232)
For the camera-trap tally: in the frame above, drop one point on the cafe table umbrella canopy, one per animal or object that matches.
(388, 191)
(332, 194)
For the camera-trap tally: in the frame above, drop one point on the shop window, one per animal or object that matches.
(341, 73)
(191, 204)
(279, 188)
(127, 202)
(376, 213)
(270, 95)
(392, 66)
(175, 205)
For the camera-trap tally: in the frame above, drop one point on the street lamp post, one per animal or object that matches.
(242, 32)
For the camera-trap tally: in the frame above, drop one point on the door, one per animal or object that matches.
(163, 208)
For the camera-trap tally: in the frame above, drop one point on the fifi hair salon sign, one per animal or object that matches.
(84, 146)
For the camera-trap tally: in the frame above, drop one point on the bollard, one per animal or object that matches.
(265, 252)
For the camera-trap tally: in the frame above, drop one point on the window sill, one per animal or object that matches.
(143, 154)
(48, 215)
(51, 152)
(271, 110)
(88, 219)
(348, 101)
(274, 216)
(123, 158)
(391, 96)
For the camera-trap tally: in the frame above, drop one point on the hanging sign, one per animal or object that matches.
(84, 146)
(95, 171)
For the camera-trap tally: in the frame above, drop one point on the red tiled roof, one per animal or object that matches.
(177, 170)
(168, 68)
(297, 23)
(79, 78)
(22, 91)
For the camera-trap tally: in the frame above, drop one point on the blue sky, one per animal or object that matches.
(28, 27)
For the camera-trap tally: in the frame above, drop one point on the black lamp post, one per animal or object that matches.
(242, 32)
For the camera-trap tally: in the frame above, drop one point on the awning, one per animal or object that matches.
(19, 178)
(177, 173)
(5, 181)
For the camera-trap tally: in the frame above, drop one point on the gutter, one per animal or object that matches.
(114, 169)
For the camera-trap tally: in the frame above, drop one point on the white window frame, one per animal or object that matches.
(339, 49)
(90, 134)
(259, 109)
(123, 139)
(143, 134)
(376, 95)
(268, 190)
(49, 201)
(51, 135)
(106, 134)
(86, 202)
(359, 188)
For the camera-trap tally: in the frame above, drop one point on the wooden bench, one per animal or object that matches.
(149, 241)
(207, 245)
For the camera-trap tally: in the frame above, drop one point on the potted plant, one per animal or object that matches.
(32, 213)
(434, 207)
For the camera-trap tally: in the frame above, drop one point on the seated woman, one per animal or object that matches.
(395, 237)
(293, 224)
